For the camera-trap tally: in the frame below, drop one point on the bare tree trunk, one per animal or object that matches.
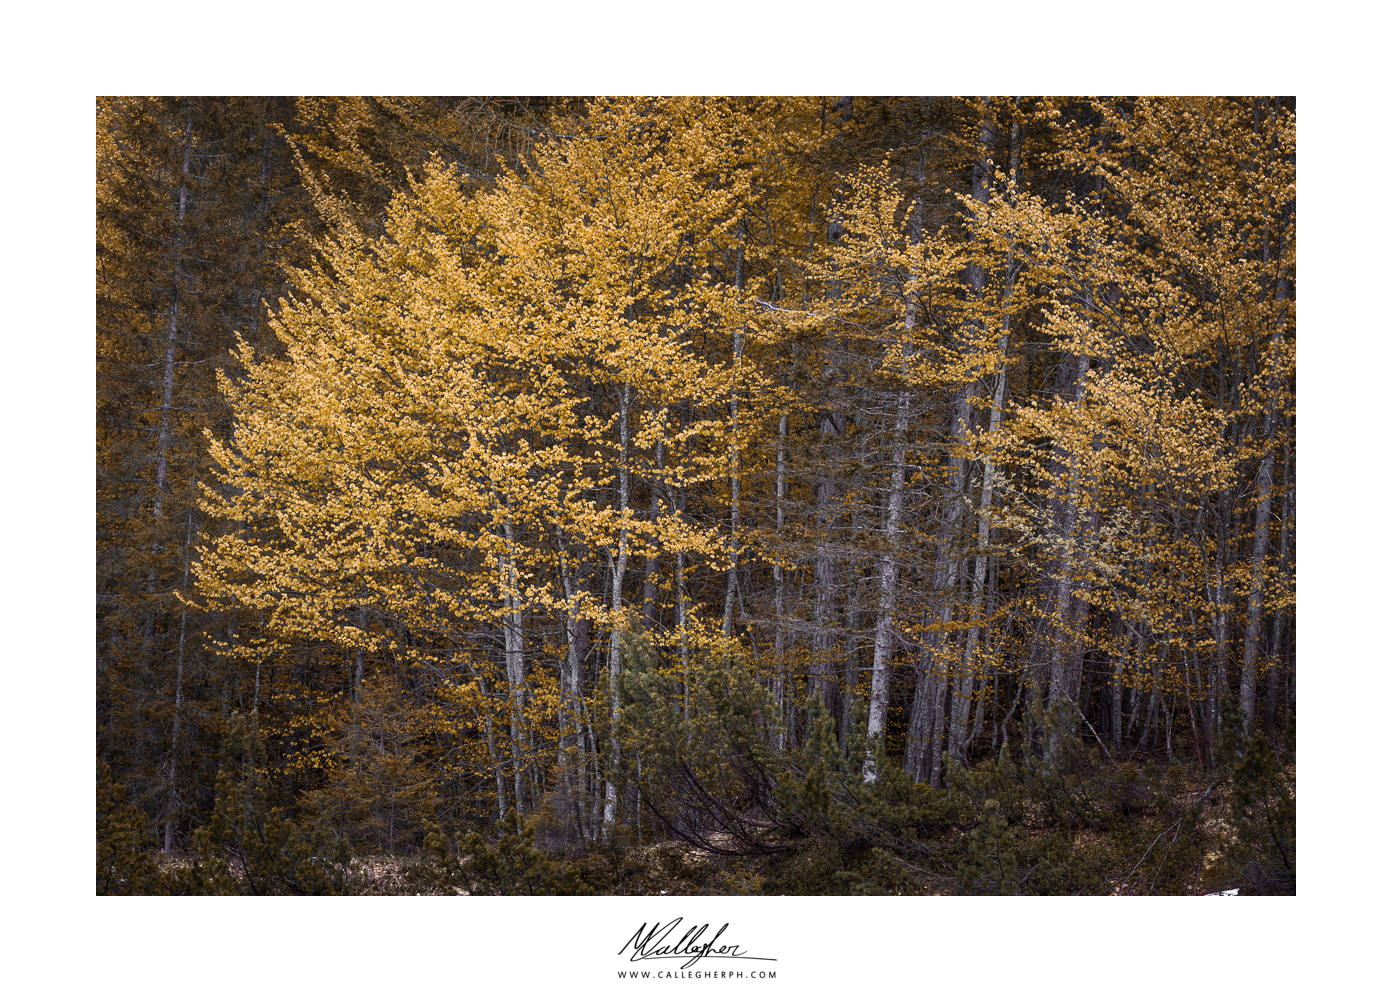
(731, 585)
(1265, 471)
(650, 570)
(1118, 670)
(983, 537)
(935, 737)
(947, 575)
(850, 661)
(677, 497)
(570, 739)
(1059, 651)
(889, 581)
(618, 564)
(488, 738)
(1218, 601)
(964, 688)
(821, 683)
(1273, 673)
(917, 747)
(780, 632)
(167, 403)
(513, 659)
(166, 429)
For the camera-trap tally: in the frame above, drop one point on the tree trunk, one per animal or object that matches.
(167, 403)
(917, 746)
(1218, 602)
(780, 632)
(821, 684)
(727, 626)
(618, 564)
(650, 570)
(889, 581)
(1060, 650)
(1273, 672)
(1265, 472)
(935, 738)
(513, 658)
(570, 739)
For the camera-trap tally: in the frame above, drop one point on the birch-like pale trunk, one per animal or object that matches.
(820, 684)
(889, 582)
(948, 574)
(570, 740)
(982, 563)
(727, 626)
(512, 657)
(964, 689)
(618, 564)
(171, 342)
(780, 632)
(981, 189)
(166, 429)
(653, 551)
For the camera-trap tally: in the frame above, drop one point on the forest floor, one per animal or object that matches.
(676, 868)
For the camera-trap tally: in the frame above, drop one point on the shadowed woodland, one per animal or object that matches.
(696, 495)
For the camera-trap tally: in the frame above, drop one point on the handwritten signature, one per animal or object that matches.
(652, 944)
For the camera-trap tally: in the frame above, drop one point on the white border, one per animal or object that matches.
(65, 937)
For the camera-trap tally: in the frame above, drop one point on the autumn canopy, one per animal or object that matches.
(707, 471)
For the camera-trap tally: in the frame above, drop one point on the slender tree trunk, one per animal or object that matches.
(171, 343)
(947, 575)
(513, 659)
(780, 632)
(1060, 650)
(677, 497)
(889, 581)
(1265, 472)
(1273, 672)
(821, 684)
(650, 570)
(618, 564)
(482, 683)
(166, 429)
(727, 626)
(982, 564)
(570, 740)
(359, 664)
(850, 659)
(1218, 601)
(1118, 672)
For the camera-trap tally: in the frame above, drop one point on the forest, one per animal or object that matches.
(771, 495)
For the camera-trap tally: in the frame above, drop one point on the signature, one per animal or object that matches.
(656, 944)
